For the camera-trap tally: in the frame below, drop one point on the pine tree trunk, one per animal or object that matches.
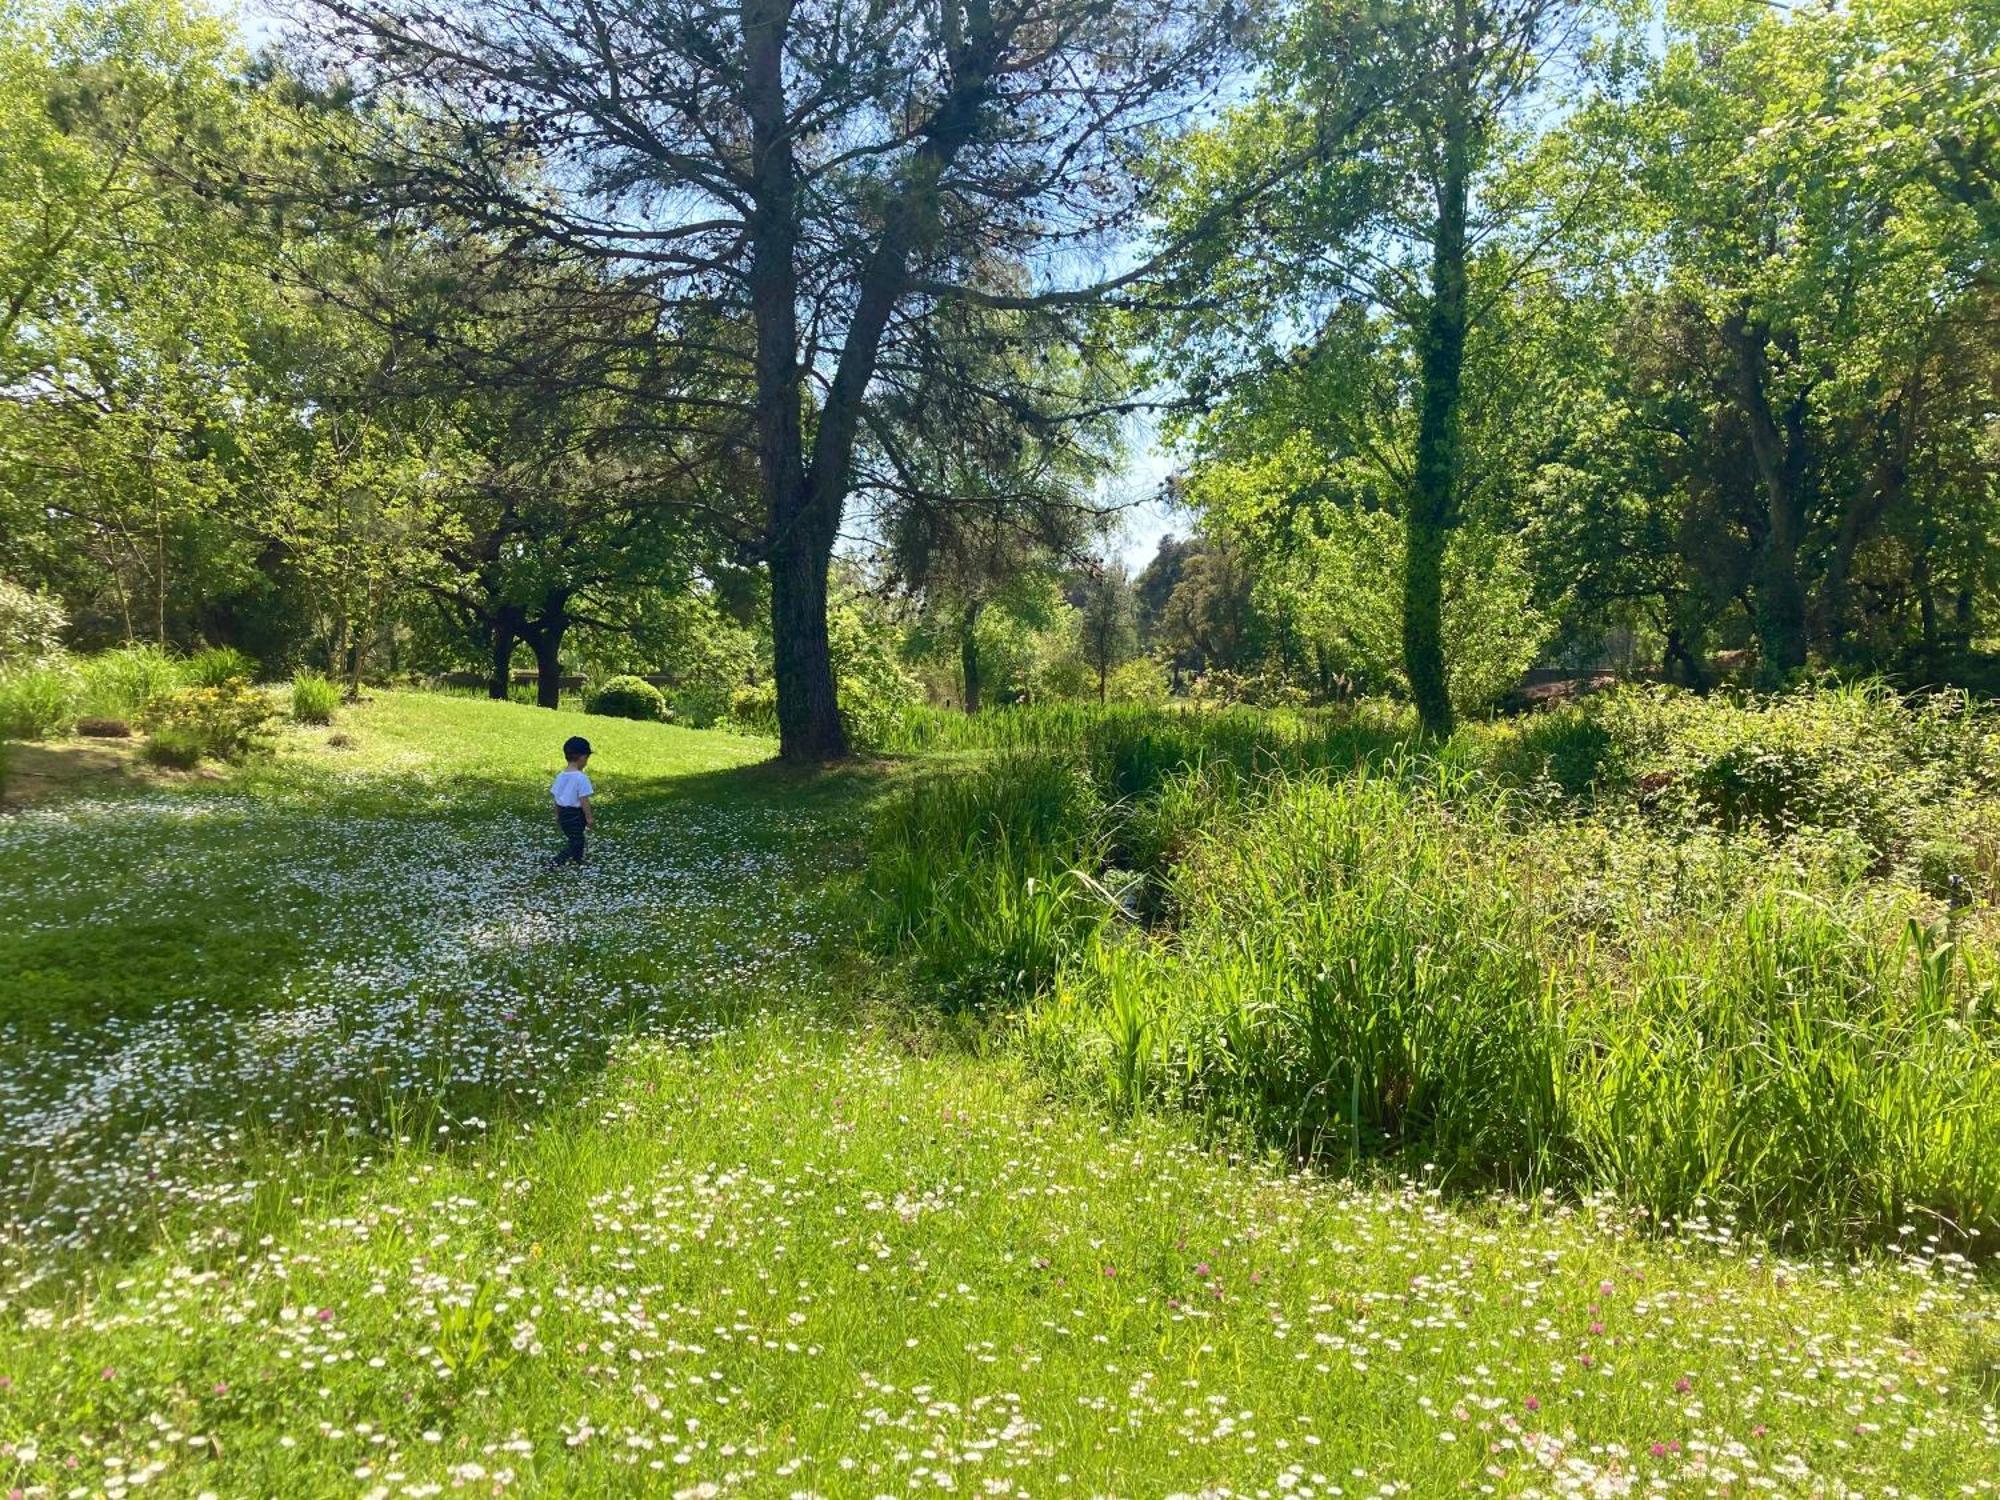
(809, 727)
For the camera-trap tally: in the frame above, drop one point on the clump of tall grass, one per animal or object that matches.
(119, 684)
(38, 700)
(218, 665)
(1361, 966)
(314, 698)
(1571, 953)
(987, 881)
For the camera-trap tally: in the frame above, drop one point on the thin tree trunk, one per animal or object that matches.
(968, 656)
(1920, 572)
(357, 652)
(1434, 492)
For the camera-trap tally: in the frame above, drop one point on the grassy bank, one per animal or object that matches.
(1712, 958)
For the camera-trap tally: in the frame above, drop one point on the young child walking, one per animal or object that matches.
(572, 791)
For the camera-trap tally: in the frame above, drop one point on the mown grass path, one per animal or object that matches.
(346, 1155)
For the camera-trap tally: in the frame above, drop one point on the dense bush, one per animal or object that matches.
(874, 687)
(31, 625)
(1695, 955)
(1141, 680)
(626, 698)
(753, 708)
(314, 698)
(226, 722)
(177, 747)
(712, 665)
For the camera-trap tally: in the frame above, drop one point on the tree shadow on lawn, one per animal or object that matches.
(340, 974)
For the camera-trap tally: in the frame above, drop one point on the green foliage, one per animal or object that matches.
(753, 708)
(227, 722)
(983, 877)
(874, 686)
(708, 669)
(31, 625)
(1857, 760)
(37, 701)
(1140, 680)
(219, 665)
(314, 698)
(120, 684)
(626, 698)
(179, 747)
(1696, 958)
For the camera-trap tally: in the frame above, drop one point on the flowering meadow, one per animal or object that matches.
(346, 1154)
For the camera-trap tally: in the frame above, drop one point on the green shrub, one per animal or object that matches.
(708, 671)
(174, 746)
(1857, 758)
(31, 625)
(119, 684)
(1565, 749)
(627, 698)
(226, 722)
(1141, 680)
(217, 665)
(37, 701)
(314, 698)
(753, 708)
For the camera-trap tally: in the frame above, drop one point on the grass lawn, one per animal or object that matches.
(343, 1153)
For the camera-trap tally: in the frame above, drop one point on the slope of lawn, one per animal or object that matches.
(345, 1154)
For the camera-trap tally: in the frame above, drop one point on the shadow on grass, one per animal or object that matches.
(206, 963)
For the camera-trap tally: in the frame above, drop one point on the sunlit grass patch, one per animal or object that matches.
(792, 1259)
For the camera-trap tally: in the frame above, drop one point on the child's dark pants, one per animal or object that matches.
(570, 821)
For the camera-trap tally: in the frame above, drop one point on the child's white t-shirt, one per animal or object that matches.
(570, 788)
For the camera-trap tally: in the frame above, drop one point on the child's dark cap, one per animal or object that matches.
(574, 746)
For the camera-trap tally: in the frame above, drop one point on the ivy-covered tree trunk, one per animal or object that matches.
(1434, 490)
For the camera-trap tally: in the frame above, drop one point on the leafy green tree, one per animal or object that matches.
(1107, 626)
(132, 311)
(1815, 241)
(1395, 126)
(816, 179)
